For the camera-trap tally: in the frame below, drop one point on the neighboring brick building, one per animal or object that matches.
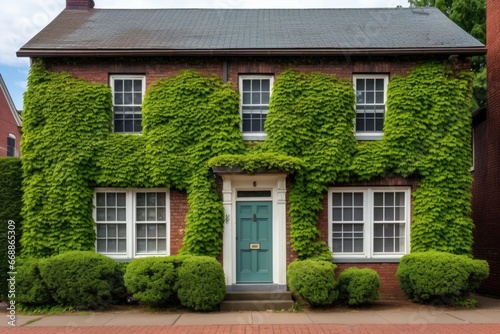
(10, 124)
(486, 171)
(250, 48)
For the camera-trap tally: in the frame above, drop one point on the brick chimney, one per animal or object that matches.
(79, 4)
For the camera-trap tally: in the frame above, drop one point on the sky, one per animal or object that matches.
(23, 19)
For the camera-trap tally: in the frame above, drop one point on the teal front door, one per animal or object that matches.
(254, 259)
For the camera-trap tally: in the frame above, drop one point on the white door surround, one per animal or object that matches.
(276, 184)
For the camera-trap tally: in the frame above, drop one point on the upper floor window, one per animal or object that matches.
(11, 146)
(255, 95)
(369, 223)
(128, 92)
(371, 96)
(132, 222)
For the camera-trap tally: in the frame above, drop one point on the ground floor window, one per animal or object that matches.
(131, 222)
(369, 223)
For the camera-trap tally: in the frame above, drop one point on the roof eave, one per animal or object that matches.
(468, 51)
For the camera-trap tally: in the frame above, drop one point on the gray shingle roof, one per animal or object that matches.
(108, 31)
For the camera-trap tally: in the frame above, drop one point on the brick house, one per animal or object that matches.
(130, 49)
(10, 124)
(486, 169)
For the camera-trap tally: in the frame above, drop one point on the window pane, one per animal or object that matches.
(100, 199)
(370, 97)
(348, 214)
(162, 245)
(162, 230)
(101, 215)
(400, 199)
(399, 213)
(141, 199)
(118, 85)
(151, 212)
(266, 85)
(378, 230)
(122, 246)
(358, 214)
(111, 214)
(151, 199)
(101, 246)
(120, 199)
(127, 85)
(348, 245)
(358, 199)
(111, 230)
(347, 199)
(151, 231)
(141, 214)
(337, 199)
(360, 84)
(370, 84)
(141, 230)
(378, 199)
(122, 231)
(255, 98)
(255, 85)
(378, 214)
(337, 246)
(151, 246)
(111, 199)
(111, 245)
(358, 245)
(246, 85)
(138, 85)
(160, 212)
(160, 197)
(246, 98)
(379, 84)
(141, 245)
(121, 215)
(101, 230)
(389, 199)
(389, 214)
(378, 245)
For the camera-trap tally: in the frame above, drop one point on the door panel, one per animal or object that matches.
(254, 242)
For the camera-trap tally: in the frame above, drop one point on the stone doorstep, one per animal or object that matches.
(257, 301)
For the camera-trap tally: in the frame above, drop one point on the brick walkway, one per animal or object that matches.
(267, 329)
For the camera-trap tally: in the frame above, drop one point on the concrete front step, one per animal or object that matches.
(257, 301)
(255, 305)
(259, 295)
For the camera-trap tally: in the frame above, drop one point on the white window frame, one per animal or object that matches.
(368, 253)
(15, 152)
(253, 135)
(131, 239)
(370, 135)
(112, 79)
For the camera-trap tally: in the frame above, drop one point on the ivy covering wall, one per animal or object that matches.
(191, 122)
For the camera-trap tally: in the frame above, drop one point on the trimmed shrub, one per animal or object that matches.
(201, 285)
(151, 280)
(437, 277)
(314, 281)
(358, 286)
(81, 279)
(10, 210)
(31, 290)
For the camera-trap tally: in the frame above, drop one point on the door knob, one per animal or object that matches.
(254, 217)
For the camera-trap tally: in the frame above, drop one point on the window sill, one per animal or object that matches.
(366, 260)
(369, 136)
(257, 136)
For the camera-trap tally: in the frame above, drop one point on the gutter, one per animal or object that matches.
(26, 52)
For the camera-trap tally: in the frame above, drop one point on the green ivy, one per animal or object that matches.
(63, 117)
(427, 132)
(311, 117)
(191, 122)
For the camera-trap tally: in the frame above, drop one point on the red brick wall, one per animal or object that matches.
(99, 72)
(178, 211)
(7, 125)
(486, 187)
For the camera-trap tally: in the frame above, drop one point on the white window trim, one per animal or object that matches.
(368, 224)
(16, 152)
(131, 219)
(375, 135)
(112, 85)
(253, 135)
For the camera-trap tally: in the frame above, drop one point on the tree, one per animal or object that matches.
(470, 15)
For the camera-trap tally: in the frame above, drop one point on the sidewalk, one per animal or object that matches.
(386, 316)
